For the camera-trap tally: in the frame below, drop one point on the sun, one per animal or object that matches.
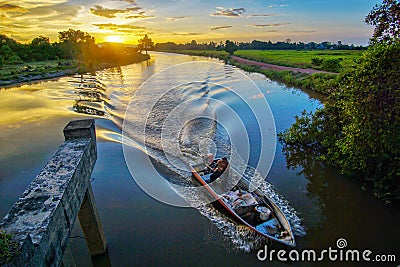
(114, 39)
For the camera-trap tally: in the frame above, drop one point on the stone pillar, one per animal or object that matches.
(91, 225)
(88, 215)
(81, 129)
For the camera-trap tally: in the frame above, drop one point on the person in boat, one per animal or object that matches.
(221, 166)
(244, 204)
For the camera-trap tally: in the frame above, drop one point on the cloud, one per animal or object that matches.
(119, 27)
(20, 26)
(48, 14)
(220, 27)
(229, 12)
(133, 2)
(310, 31)
(262, 15)
(269, 25)
(19, 38)
(110, 13)
(186, 33)
(140, 16)
(277, 5)
(176, 18)
(261, 95)
(11, 8)
(46, 19)
(34, 3)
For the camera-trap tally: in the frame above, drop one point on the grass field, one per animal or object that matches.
(301, 59)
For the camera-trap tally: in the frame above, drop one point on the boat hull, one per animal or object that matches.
(278, 220)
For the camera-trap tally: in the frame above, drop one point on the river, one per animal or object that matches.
(175, 108)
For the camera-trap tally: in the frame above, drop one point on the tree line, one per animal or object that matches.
(73, 45)
(231, 46)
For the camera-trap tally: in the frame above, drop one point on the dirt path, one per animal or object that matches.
(266, 66)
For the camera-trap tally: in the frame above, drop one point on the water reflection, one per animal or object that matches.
(92, 94)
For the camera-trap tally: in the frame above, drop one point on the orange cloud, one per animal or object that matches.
(12, 8)
(110, 13)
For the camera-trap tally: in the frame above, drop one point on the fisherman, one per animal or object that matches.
(221, 166)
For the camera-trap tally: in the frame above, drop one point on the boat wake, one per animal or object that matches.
(175, 121)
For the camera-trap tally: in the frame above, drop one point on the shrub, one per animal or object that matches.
(14, 59)
(332, 65)
(359, 127)
(317, 61)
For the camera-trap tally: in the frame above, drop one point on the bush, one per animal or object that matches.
(332, 65)
(317, 61)
(358, 129)
(14, 59)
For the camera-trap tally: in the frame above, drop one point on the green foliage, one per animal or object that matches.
(358, 130)
(77, 45)
(317, 61)
(230, 47)
(306, 131)
(14, 59)
(331, 64)
(385, 17)
(7, 248)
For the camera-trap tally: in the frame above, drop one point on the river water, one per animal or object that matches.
(175, 108)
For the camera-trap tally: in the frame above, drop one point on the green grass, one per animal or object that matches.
(301, 59)
(16, 71)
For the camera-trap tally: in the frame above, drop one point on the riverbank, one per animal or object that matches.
(11, 75)
(291, 68)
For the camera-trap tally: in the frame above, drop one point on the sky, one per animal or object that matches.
(182, 21)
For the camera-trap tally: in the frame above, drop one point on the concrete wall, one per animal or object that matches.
(42, 219)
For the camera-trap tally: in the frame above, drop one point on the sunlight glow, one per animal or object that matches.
(114, 39)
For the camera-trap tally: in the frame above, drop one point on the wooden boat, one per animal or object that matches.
(252, 209)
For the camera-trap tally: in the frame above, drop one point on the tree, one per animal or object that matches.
(146, 43)
(40, 40)
(386, 20)
(230, 47)
(76, 36)
(358, 129)
(6, 52)
(41, 49)
(77, 45)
